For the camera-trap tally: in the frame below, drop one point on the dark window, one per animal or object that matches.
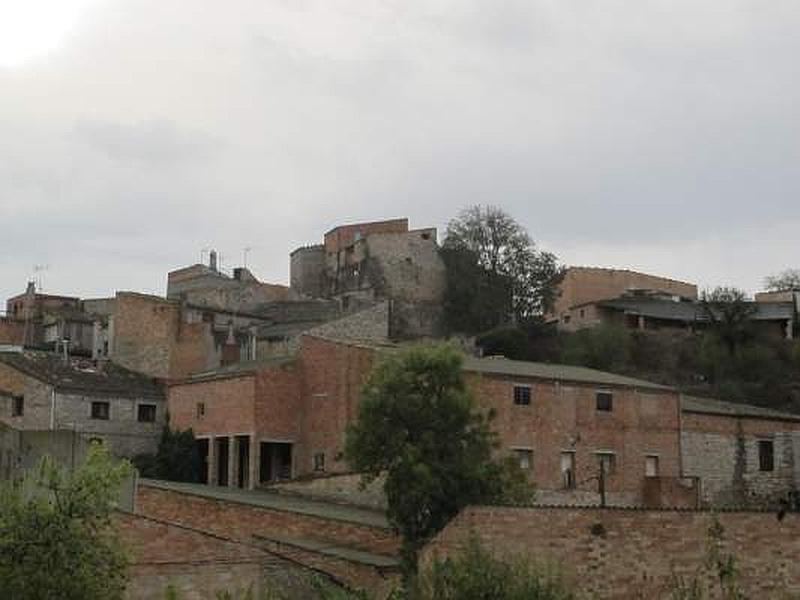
(522, 395)
(607, 462)
(524, 458)
(101, 410)
(319, 461)
(605, 401)
(201, 410)
(766, 455)
(17, 406)
(146, 413)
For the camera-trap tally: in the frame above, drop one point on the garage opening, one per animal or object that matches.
(202, 453)
(276, 461)
(243, 462)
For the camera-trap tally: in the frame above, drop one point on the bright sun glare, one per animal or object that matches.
(32, 28)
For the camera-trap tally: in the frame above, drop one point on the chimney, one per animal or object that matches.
(212, 260)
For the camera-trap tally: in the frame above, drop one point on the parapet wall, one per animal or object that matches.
(633, 553)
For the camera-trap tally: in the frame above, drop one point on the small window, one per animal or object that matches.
(568, 470)
(101, 410)
(566, 319)
(766, 455)
(524, 457)
(582, 313)
(319, 461)
(605, 401)
(201, 410)
(651, 466)
(607, 462)
(146, 413)
(522, 395)
(17, 406)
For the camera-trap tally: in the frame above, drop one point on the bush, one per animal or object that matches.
(474, 574)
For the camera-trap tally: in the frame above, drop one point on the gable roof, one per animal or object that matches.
(519, 368)
(81, 375)
(693, 404)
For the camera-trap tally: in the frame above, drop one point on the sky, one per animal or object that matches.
(662, 136)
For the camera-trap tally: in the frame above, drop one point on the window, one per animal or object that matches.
(146, 413)
(201, 410)
(319, 461)
(522, 395)
(605, 401)
(525, 458)
(17, 406)
(607, 462)
(651, 466)
(568, 470)
(101, 410)
(766, 455)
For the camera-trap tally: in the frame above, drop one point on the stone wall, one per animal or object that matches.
(622, 554)
(307, 271)
(345, 487)
(371, 324)
(723, 452)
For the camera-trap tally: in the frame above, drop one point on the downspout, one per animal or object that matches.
(53, 409)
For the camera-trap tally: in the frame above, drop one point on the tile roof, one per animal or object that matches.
(82, 375)
(238, 369)
(519, 368)
(694, 404)
(691, 311)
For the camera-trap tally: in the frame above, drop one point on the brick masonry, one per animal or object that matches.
(195, 563)
(624, 553)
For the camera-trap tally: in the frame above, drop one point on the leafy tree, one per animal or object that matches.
(786, 280)
(729, 311)
(476, 574)
(510, 265)
(416, 423)
(176, 459)
(55, 535)
(605, 347)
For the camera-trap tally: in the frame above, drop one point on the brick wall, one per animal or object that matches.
(618, 553)
(564, 418)
(723, 452)
(145, 329)
(341, 237)
(243, 521)
(11, 331)
(229, 406)
(196, 564)
(332, 374)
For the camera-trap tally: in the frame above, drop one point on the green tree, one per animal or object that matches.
(176, 459)
(475, 574)
(416, 423)
(509, 266)
(56, 539)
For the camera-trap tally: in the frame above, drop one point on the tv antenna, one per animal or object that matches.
(38, 275)
(246, 251)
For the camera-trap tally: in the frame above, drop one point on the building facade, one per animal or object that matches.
(41, 391)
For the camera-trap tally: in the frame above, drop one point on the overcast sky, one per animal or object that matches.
(660, 136)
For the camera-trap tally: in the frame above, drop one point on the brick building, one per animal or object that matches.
(40, 391)
(589, 297)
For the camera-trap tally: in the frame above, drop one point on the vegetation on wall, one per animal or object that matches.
(56, 539)
(177, 458)
(417, 424)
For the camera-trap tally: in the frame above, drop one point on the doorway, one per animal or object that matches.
(276, 462)
(222, 460)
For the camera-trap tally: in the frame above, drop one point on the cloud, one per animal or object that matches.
(660, 135)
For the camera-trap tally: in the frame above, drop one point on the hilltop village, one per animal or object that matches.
(268, 379)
